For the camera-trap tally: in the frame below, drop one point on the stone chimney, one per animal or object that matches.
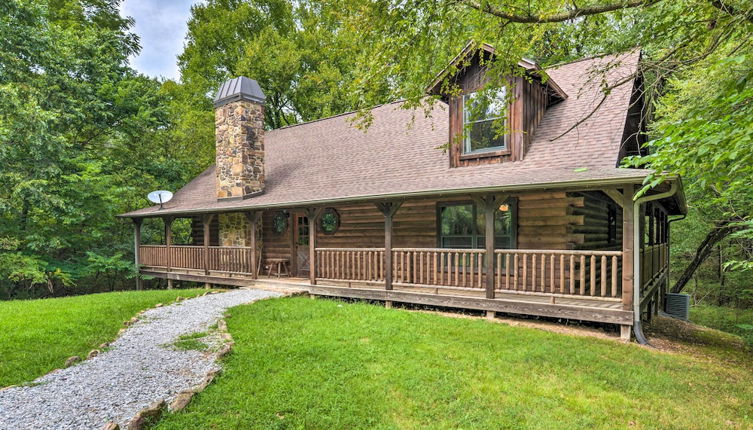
(239, 139)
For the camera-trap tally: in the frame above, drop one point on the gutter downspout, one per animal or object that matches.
(637, 327)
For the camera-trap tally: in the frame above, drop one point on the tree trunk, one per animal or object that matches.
(721, 231)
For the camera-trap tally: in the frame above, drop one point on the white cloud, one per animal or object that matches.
(161, 26)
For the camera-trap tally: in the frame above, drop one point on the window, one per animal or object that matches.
(329, 221)
(303, 230)
(480, 111)
(461, 225)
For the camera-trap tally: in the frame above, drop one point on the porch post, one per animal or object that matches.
(628, 235)
(253, 220)
(168, 243)
(136, 249)
(388, 209)
(489, 210)
(313, 215)
(206, 222)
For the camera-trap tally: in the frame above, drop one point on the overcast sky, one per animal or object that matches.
(161, 25)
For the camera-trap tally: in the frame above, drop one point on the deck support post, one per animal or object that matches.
(388, 209)
(625, 331)
(313, 215)
(627, 248)
(253, 220)
(206, 222)
(490, 315)
(168, 243)
(136, 250)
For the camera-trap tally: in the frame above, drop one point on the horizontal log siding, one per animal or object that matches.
(274, 245)
(362, 226)
(197, 231)
(545, 221)
(594, 229)
(595, 233)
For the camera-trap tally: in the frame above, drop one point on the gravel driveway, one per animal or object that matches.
(138, 369)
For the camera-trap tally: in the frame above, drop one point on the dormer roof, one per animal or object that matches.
(556, 93)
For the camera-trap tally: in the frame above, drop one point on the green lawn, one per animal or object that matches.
(736, 321)
(37, 336)
(321, 364)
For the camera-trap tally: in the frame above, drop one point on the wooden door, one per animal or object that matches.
(301, 241)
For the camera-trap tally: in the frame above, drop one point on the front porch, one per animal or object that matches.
(585, 272)
(570, 284)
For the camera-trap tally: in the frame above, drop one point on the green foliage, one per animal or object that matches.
(299, 363)
(716, 281)
(299, 52)
(83, 138)
(736, 321)
(37, 336)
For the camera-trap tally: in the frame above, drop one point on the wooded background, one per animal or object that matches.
(83, 136)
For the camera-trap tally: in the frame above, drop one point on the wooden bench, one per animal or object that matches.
(281, 264)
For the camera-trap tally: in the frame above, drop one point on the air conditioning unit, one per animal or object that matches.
(678, 305)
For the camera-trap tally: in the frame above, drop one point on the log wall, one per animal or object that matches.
(546, 220)
(595, 227)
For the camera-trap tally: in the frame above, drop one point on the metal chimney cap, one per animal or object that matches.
(240, 88)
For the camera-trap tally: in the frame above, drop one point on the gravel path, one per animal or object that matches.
(137, 370)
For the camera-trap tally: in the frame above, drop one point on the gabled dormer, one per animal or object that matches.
(476, 102)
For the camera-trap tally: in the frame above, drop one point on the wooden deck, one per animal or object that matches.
(583, 308)
(568, 284)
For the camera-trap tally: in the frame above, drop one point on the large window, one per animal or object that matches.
(461, 225)
(480, 111)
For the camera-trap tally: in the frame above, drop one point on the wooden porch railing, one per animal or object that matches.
(352, 264)
(234, 259)
(153, 255)
(230, 259)
(551, 272)
(654, 261)
(439, 267)
(566, 272)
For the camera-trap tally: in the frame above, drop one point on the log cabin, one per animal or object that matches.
(445, 208)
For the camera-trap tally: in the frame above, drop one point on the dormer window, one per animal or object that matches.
(488, 125)
(482, 112)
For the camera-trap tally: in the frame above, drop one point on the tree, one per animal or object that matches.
(297, 52)
(78, 128)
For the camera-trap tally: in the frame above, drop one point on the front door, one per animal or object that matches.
(302, 245)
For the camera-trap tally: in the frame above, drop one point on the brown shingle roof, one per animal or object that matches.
(331, 160)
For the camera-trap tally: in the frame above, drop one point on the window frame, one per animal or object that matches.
(476, 235)
(466, 126)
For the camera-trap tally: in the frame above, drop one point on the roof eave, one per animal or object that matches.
(582, 184)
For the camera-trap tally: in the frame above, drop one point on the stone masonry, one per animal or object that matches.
(235, 230)
(239, 134)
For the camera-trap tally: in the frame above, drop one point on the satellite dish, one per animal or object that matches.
(159, 197)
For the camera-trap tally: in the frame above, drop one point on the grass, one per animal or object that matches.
(37, 336)
(736, 321)
(300, 363)
(191, 342)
